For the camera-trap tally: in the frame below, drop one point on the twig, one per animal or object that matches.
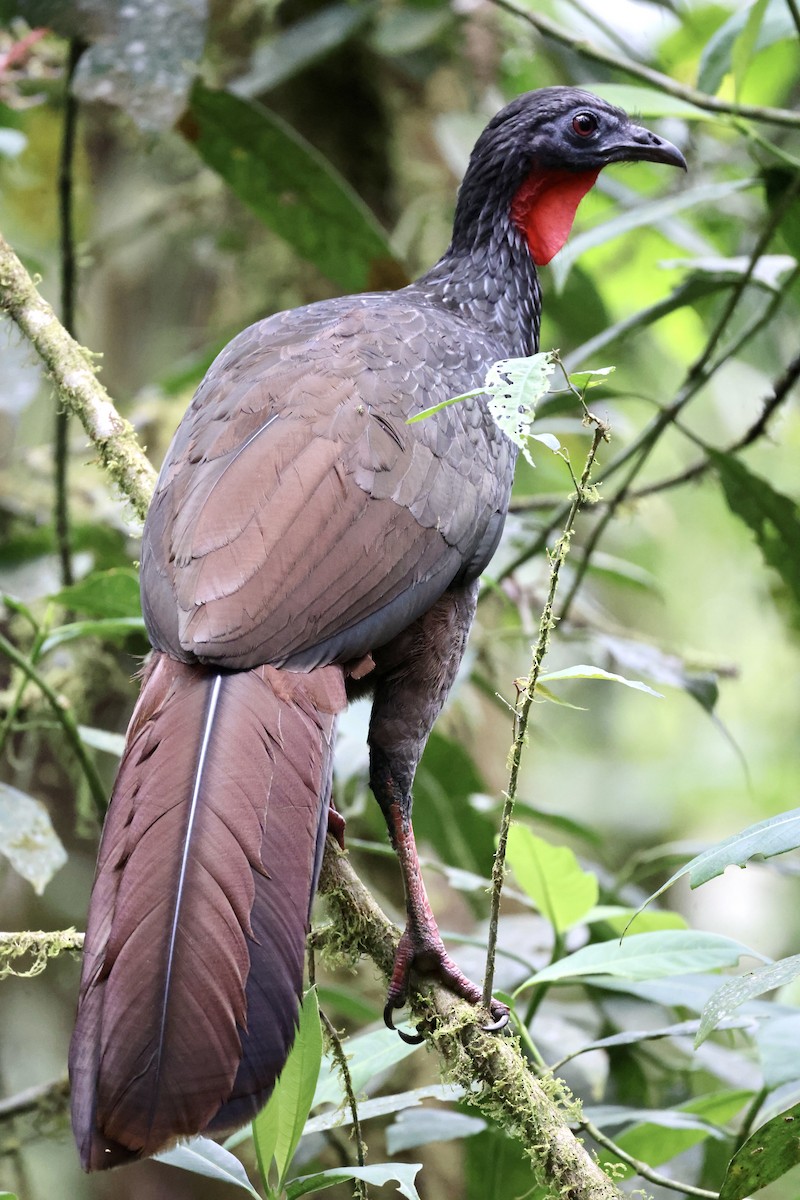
(66, 237)
(587, 49)
(497, 1078)
(41, 945)
(641, 1168)
(65, 719)
(73, 375)
(41, 1095)
(780, 392)
(359, 1186)
(522, 711)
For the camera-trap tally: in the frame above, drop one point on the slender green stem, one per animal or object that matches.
(65, 719)
(641, 1168)
(66, 189)
(525, 701)
(587, 49)
(750, 1119)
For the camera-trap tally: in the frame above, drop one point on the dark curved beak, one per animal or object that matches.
(641, 145)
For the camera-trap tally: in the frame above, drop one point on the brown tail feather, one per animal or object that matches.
(193, 960)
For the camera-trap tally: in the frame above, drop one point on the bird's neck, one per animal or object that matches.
(492, 283)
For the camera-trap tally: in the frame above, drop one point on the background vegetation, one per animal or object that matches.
(216, 167)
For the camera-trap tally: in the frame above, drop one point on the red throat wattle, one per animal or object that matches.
(544, 208)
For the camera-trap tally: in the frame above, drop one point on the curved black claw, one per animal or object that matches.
(413, 1039)
(496, 1026)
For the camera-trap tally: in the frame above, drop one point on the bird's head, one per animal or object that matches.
(539, 156)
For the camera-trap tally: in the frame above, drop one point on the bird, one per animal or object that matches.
(306, 545)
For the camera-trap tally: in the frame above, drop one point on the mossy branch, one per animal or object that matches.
(491, 1067)
(73, 374)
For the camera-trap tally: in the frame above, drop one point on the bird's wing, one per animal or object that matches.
(298, 519)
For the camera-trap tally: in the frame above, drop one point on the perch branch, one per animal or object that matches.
(73, 374)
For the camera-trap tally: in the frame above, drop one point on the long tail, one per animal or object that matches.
(193, 960)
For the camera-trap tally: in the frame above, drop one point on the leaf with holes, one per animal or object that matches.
(515, 387)
(766, 1155)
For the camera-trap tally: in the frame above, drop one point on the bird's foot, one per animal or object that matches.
(336, 826)
(424, 953)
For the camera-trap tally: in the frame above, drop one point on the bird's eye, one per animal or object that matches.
(584, 124)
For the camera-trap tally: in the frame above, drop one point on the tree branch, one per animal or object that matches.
(587, 49)
(73, 374)
(507, 1091)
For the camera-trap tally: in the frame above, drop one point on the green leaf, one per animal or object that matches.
(582, 671)
(735, 992)
(745, 44)
(769, 1153)
(101, 739)
(110, 628)
(515, 387)
(777, 1039)
(647, 956)
(201, 1156)
(620, 919)
(112, 593)
(420, 1127)
(368, 1055)
(561, 890)
(279, 1126)
(647, 102)
(772, 517)
(300, 46)
(403, 1174)
(383, 1106)
(649, 213)
(27, 838)
(716, 59)
(657, 1142)
(292, 188)
(765, 839)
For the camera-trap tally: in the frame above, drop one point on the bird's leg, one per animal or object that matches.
(415, 673)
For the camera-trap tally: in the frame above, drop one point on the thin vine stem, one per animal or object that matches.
(526, 695)
(641, 1168)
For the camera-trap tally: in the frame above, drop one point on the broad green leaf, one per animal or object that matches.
(648, 102)
(367, 1056)
(383, 1106)
(101, 739)
(766, 1155)
(27, 838)
(649, 213)
(582, 671)
(292, 188)
(294, 1093)
(444, 818)
(298, 47)
(620, 918)
(716, 59)
(771, 516)
(769, 271)
(697, 287)
(777, 1039)
(111, 628)
(775, 835)
(632, 1037)
(201, 1156)
(658, 1142)
(647, 956)
(735, 992)
(745, 44)
(379, 1174)
(551, 875)
(423, 1126)
(112, 593)
(515, 387)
